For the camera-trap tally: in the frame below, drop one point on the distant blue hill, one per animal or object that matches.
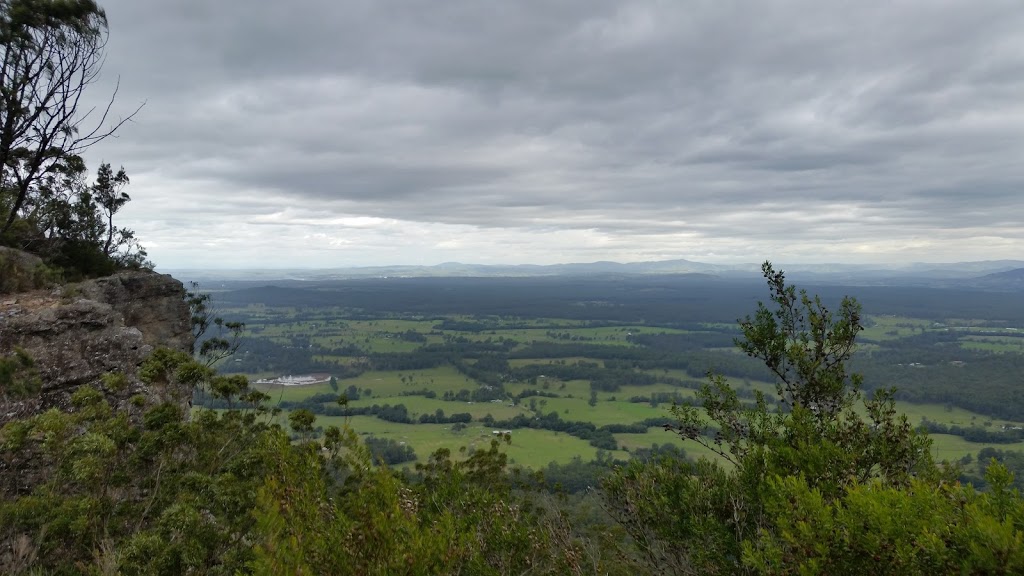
(1001, 275)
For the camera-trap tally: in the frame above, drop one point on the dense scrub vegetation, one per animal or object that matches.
(816, 488)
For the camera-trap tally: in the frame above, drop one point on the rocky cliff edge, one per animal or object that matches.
(89, 332)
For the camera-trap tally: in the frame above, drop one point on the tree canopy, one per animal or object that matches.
(51, 51)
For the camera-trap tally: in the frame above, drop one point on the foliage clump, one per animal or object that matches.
(232, 492)
(18, 376)
(825, 481)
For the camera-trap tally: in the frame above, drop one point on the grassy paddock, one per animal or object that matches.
(658, 435)
(951, 416)
(893, 327)
(529, 448)
(953, 448)
(418, 405)
(389, 384)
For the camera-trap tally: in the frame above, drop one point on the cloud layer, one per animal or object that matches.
(331, 133)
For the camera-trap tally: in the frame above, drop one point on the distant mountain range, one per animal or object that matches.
(994, 275)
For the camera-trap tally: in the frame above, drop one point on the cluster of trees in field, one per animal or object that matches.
(598, 436)
(389, 452)
(975, 469)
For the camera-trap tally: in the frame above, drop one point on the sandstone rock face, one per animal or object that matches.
(78, 333)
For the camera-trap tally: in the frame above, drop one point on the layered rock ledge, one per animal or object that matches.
(78, 333)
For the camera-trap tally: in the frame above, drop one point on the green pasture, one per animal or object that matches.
(573, 388)
(564, 388)
(425, 439)
(657, 435)
(528, 448)
(417, 405)
(537, 448)
(951, 416)
(892, 327)
(386, 384)
(280, 393)
(383, 384)
(953, 448)
(383, 335)
(601, 413)
(993, 344)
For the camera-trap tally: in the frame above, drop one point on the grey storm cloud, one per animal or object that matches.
(770, 124)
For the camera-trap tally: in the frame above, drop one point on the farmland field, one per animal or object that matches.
(598, 379)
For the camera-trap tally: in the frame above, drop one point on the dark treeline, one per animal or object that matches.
(260, 355)
(933, 367)
(975, 433)
(599, 437)
(673, 301)
(664, 300)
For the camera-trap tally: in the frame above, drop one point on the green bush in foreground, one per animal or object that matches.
(815, 486)
(89, 492)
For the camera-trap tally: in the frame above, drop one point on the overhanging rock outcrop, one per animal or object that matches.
(78, 333)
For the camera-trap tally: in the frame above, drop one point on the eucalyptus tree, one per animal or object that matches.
(51, 51)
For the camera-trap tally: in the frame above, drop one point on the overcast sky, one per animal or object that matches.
(323, 133)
